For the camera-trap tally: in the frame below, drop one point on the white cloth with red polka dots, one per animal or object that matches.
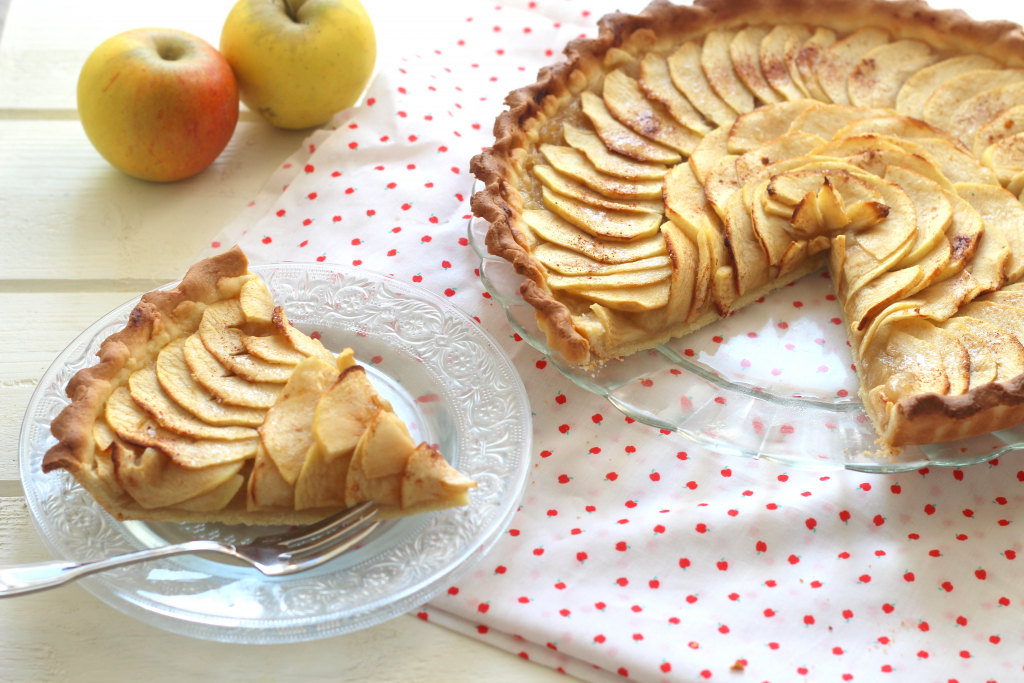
(636, 554)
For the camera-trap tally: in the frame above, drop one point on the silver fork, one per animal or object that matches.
(277, 555)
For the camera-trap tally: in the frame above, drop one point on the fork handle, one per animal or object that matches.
(29, 578)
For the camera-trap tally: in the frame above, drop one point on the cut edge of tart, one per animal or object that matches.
(891, 283)
(209, 406)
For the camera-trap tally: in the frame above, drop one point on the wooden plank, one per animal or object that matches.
(13, 400)
(68, 635)
(37, 49)
(66, 213)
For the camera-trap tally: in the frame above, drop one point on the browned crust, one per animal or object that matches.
(159, 318)
(927, 418)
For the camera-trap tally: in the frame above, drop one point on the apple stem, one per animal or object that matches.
(291, 11)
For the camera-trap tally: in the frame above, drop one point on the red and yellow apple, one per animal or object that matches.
(158, 104)
(298, 62)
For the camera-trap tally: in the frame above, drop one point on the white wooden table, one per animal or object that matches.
(77, 239)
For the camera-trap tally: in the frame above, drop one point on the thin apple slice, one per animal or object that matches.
(273, 349)
(745, 51)
(135, 426)
(1009, 122)
(917, 367)
(611, 225)
(748, 256)
(1008, 317)
(807, 59)
(287, 433)
(1000, 342)
(429, 482)
(343, 413)
(685, 264)
(267, 488)
(563, 185)
(631, 299)
(786, 146)
(841, 58)
(222, 343)
(566, 262)
(793, 256)
(772, 231)
(216, 379)
(777, 52)
(876, 153)
(707, 261)
(716, 62)
(983, 367)
(1016, 185)
(956, 164)
(321, 484)
(176, 379)
(970, 116)
(571, 163)
(656, 82)
(723, 289)
(898, 128)
(688, 76)
(685, 202)
(955, 359)
(942, 105)
(627, 103)
(1006, 158)
(721, 183)
(765, 123)
(303, 343)
(915, 92)
(590, 146)
(863, 305)
(964, 236)
(154, 480)
(144, 388)
(256, 302)
(1003, 213)
(709, 152)
(878, 77)
(825, 120)
(380, 456)
(634, 278)
(933, 208)
(553, 229)
(215, 500)
(619, 138)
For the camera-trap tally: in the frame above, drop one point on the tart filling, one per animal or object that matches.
(692, 159)
(211, 406)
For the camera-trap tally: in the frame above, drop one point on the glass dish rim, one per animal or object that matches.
(299, 628)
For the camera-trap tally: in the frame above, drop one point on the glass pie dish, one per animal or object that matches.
(447, 379)
(774, 381)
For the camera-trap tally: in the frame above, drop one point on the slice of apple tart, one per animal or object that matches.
(210, 406)
(691, 159)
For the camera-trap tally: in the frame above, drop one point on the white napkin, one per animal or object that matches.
(636, 554)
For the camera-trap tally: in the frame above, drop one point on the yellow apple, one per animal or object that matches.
(298, 62)
(158, 104)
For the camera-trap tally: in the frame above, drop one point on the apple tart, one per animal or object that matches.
(691, 159)
(211, 407)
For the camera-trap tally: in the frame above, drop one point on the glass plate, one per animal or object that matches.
(774, 380)
(446, 377)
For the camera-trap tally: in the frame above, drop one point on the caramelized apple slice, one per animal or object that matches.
(764, 124)
(915, 92)
(825, 120)
(841, 58)
(429, 482)
(716, 62)
(568, 161)
(287, 432)
(176, 379)
(745, 50)
(608, 162)
(942, 105)
(553, 229)
(135, 426)
(155, 481)
(982, 360)
(216, 379)
(626, 102)
(267, 489)
(687, 75)
(256, 302)
(807, 59)
(656, 82)
(878, 77)
(778, 51)
(619, 138)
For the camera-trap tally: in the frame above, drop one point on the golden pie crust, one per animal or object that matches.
(210, 407)
(907, 410)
